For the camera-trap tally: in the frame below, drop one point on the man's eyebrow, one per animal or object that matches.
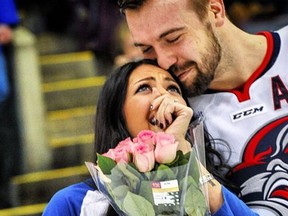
(139, 45)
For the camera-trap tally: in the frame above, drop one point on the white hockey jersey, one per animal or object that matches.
(254, 121)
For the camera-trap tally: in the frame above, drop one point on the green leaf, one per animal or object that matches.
(180, 155)
(105, 163)
(116, 177)
(130, 176)
(137, 205)
(120, 191)
(195, 203)
(194, 168)
(163, 172)
(145, 191)
(187, 156)
(186, 182)
(135, 172)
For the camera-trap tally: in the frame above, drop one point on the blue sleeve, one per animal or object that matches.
(8, 12)
(233, 206)
(4, 83)
(67, 201)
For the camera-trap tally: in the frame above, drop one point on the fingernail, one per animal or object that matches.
(156, 122)
(153, 121)
(167, 123)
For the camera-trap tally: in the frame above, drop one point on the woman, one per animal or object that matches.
(139, 96)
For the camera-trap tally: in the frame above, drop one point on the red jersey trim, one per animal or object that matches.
(243, 93)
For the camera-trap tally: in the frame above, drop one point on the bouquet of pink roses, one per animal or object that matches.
(148, 176)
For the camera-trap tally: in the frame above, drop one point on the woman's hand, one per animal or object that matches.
(173, 116)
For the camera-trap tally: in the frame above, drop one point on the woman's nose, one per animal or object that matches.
(159, 91)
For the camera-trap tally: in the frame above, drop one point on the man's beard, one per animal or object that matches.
(205, 71)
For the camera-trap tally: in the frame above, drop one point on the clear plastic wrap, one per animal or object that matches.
(170, 189)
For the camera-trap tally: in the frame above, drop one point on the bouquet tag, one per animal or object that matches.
(165, 192)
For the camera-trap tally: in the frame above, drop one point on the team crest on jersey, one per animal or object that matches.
(263, 173)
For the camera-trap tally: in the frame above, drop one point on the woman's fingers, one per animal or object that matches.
(167, 109)
(163, 110)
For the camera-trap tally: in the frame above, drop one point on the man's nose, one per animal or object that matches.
(166, 59)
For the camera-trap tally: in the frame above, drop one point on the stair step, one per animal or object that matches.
(72, 155)
(71, 84)
(72, 93)
(67, 66)
(83, 139)
(31, 210)
(39, 187)
(72, 126)
(49, 175)
(70, 113)
(52, 43)
(71, 98)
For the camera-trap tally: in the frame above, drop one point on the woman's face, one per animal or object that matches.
(146, 83)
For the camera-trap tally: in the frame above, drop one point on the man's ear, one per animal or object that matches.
(218, 10)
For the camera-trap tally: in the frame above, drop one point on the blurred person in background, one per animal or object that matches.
(96, 23)
(258, 15)
(8, 20)
(127, 51)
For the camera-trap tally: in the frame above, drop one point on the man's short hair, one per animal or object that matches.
(199, 6)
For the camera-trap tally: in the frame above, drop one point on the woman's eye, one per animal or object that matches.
(143, 88)
(174, 89)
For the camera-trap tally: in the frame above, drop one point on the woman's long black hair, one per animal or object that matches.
(110, 127)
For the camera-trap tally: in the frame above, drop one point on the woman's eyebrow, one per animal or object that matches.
(145, 79)
(169, 79)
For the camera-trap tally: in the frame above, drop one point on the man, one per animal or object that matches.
(239, 81)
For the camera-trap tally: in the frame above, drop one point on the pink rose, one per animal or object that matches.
(122, 152)
(146, 136)
(122, 155)
(166, 148)
(110, 154)
(143, 157)
(126, 144)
